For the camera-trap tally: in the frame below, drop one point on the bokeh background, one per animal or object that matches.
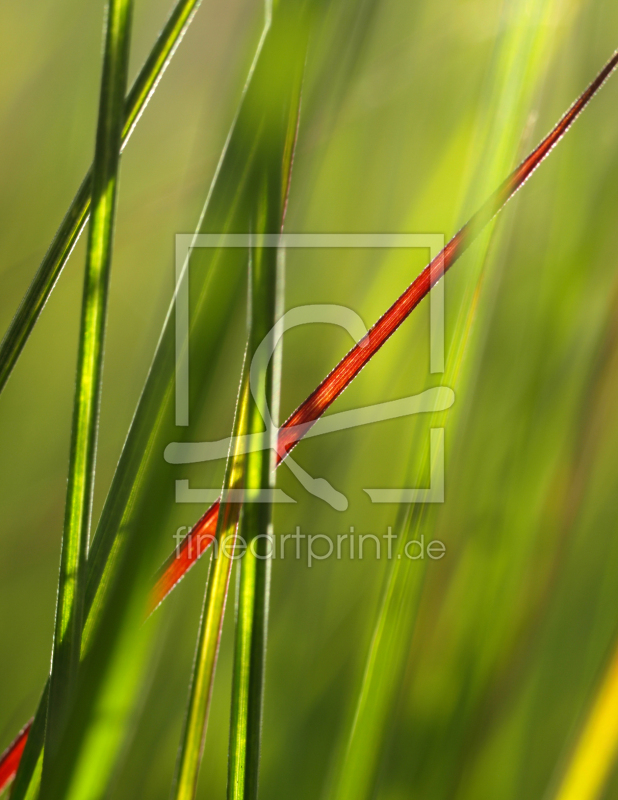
(412, 113)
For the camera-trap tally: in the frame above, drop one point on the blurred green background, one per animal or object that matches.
(412, 113)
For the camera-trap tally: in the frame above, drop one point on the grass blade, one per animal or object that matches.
(597, 746)
(347, 369)
(194, 731)
(71, 589)
(76, 217)
(254, 569)
(271, 184)
(138, 500)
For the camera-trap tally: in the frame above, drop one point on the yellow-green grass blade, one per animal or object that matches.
(594, 756)
(211, 622)
(256, 534)
(261, 135)
(590, 760)
(509, 94)
(76, 217)
(78, 510)
(271, 185)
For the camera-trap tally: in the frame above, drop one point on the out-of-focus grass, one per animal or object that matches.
(516, 622)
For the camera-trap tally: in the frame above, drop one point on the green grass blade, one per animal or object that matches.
(211, 622)
(138, 499)
(255, 471)
(71, 589)
(254, 568)
(132, 533)
(76, 217)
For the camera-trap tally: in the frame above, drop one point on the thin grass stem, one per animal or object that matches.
(194, 731)
(78, 510)
(254, 568)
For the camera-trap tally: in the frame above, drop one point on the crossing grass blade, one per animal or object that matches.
(256, 535)
(194, 731)
(77, 216)
(78, 511)
(338, 380)
(308, 412)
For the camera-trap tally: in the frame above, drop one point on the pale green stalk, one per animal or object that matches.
(194, 731)
(254, 569)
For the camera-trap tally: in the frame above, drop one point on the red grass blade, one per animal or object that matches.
(292, 431)
(9, 760)
(349, 367)
(192, 547)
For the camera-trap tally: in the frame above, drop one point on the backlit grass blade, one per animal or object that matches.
(254, 568)
(252, 472)
(71, 588)
(132, 526)
(211, 622)
(76, 217)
